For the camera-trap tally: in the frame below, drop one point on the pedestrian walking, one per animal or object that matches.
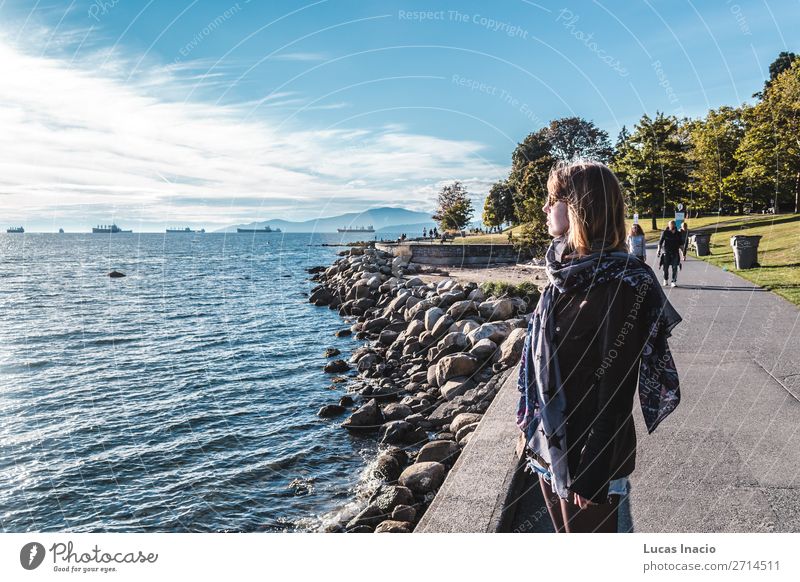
(669, 249)
(636, 243)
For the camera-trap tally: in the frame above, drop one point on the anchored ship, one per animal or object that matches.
(15, 229)
(108, 229)
(186, 230)
(357, 229)
(252, 230)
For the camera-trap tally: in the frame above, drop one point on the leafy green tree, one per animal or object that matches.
(454, 209)
(571, 138)
(653, 165)
(716, 173)
(499, 205)
(776, 67)
(770, 150)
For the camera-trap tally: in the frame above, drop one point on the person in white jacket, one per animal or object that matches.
(636, 243)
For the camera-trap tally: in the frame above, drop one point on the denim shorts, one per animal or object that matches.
(615, 486)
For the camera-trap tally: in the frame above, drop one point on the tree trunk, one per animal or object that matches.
(796, 191)
(655, 213)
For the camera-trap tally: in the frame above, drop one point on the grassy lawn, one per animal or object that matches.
(778, 251)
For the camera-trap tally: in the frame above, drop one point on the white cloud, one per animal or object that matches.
(82, 143)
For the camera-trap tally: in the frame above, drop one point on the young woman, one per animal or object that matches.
(636, 243)
(598, 334)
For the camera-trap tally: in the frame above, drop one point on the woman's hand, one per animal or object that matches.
(582, 502)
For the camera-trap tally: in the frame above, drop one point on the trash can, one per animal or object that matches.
(745, 250)
(701, 243)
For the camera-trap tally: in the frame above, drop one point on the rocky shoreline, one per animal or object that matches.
(430, 369)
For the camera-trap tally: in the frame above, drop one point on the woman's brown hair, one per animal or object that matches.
(595, 205)
(636, 230)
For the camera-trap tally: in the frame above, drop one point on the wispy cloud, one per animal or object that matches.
(311, 57)
(80, 141)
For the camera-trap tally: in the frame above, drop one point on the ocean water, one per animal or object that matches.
(182, 397)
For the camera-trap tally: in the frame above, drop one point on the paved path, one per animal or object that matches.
(728, 458)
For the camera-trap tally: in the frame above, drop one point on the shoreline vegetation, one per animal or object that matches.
(435, 354)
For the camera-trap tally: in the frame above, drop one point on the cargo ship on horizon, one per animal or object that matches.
(357, 229)
(108, 229)
(185, 230)
(15, 229)
(257, 230)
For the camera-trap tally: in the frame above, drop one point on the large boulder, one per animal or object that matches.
(336, 367)
(497, 332)
(456, 387)
(366, 417)
(393, 526)
(463, 420)
(455, 365)
(484, 349)
(439, 451)
(511, 349)
(396, 411)
(402, 432)
(462, 309)
(497, 310)
(432, 316)
(423, 478)
(387, 497)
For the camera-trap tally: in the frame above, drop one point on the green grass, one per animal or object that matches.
(778, 250)
(499, 288)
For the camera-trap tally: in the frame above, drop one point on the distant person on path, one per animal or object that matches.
(684, 239)
(669, 249)
(598, 334)
(636, 243)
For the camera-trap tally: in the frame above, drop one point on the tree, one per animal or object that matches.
(716, 172)
(652, 164)
(454, 210)
(499, 205)
(770, 150)
(571, 138)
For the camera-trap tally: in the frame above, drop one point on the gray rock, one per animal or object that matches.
(370, 516)
(396, 411)
(336, 367)
(401, 432)
(423, 478)
(442, 326)
(393, 526)
(366, 417)
(455, 365)
(484, 349)
(497, 332)
(497, 310)
(330, 410)
(511, 348)
(432, 316)
(387, 497)
(456, 387)
(465, 430)
(404, 513)
(463, 420)
(441, 451)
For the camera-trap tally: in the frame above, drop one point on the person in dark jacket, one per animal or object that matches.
(598, 334)
(669, 248)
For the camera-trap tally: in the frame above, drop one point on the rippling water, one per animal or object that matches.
(181, 397)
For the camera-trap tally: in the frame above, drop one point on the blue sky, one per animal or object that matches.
(208, 113)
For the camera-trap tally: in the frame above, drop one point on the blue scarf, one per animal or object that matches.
(542, 400)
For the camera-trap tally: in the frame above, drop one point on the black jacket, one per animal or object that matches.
(599, 336)
(670, 242)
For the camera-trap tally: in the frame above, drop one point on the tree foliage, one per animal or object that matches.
(454, 209)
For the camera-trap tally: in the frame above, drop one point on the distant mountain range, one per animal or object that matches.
(383, 219)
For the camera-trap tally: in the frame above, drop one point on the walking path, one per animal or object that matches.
(726, 460)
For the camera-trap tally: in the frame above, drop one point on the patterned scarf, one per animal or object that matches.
(543, 400)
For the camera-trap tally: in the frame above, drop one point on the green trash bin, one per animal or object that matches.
(702, 243)
(745, 250)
